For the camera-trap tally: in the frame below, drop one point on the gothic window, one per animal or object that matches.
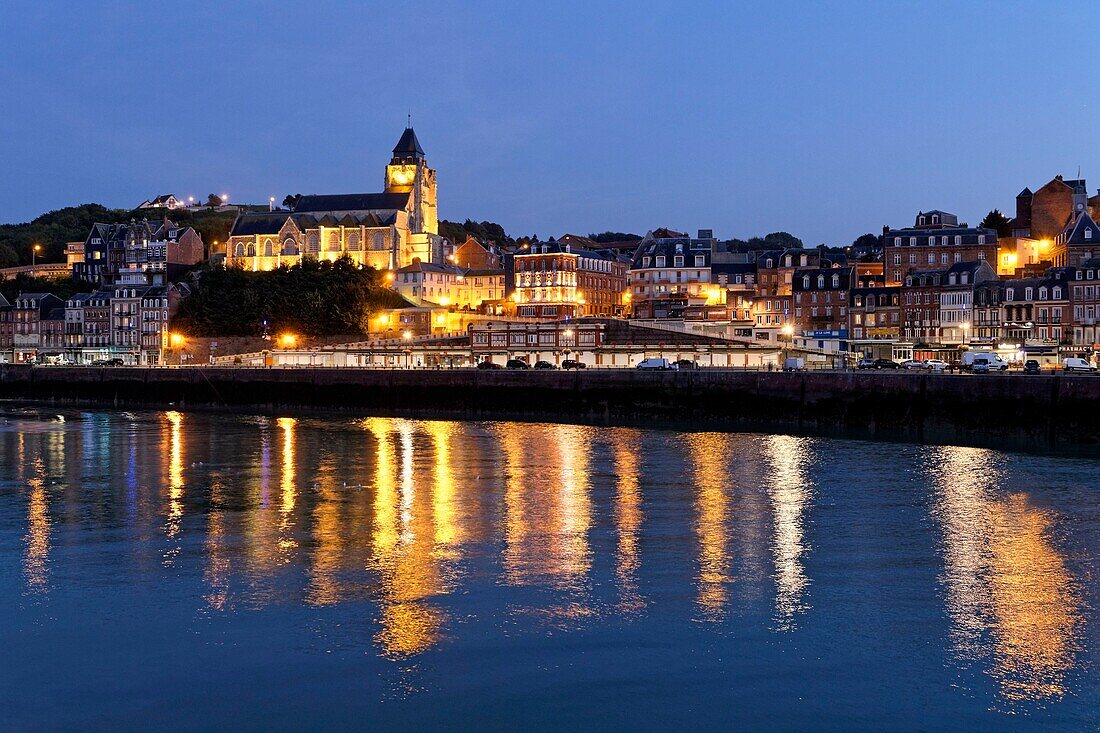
(268, 248)
(333, 244)
(378, 241)
(238, 251)
(251, 250)
(290, 247)
(312, 242)
(353, 242)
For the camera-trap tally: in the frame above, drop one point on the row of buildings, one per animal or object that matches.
(128, 323)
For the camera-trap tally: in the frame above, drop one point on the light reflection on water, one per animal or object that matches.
(559, 528)
(1015, 606)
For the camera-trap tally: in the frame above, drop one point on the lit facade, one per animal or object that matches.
(385, 230)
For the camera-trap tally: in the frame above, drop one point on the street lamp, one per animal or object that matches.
(288, 340)
(34, 256)
(966, 330)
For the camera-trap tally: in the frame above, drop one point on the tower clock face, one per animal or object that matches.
(402, 175)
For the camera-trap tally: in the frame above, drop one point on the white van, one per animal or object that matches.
(1075, 364)
(992, 361)
(794, 364)
(656, 362)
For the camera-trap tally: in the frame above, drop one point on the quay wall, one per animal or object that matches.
(1047, 411)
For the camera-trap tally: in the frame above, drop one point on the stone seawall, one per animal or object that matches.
(1049, 411)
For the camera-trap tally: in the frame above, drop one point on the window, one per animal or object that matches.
(1088, 234)
(678, 261)
(981, 239)
(1042, 293)
(1029, 293)
(836, 281)
(806, 282)
(820, 281)
(897, 241)
(897, 258)
(958, 239)
(1010, 294)
(700, 261)
(660, 260)
(1056, 293)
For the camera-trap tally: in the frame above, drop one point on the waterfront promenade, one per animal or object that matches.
(1050, 410)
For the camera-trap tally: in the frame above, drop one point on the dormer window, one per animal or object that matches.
(1010, 294)
(1056, 293)
(806, 282)
(912, 241)
(897, 241)
(678, 261)
(1042, 293)
(820, 281)
(769, 263)
(1088, 234)
(660, 260)
(951, 279)
(836, 281)
(981, 239)
(958, 239)
(964, 278)
(921, 221)
(935, 218)
(1029, 293)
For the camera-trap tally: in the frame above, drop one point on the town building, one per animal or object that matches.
(956, 312)
(935, 241)
(427, 283)
(1079, 242)
(669, 272)
(1085, 299)
(386, 231)
(473, 255)
(821, 299)
(1037, 310)
(30, 310)
(164, 201)
(874, 318)
(985, 329)
(557, 280)
(138, 253)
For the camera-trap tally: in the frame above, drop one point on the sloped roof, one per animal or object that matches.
(408, 144)
(353, 202)
(1084, 224)
(258, 223)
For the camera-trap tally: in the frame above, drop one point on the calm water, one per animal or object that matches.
(192, 570)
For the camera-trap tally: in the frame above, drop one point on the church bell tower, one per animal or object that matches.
(408, 172)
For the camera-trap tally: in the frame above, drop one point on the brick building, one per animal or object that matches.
(558, 280)
(874, 318)
(936, 240)
(821, 300)
(1038, 308)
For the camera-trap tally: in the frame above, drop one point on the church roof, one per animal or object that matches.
(248, 224)
(353, 202)
(408, 144)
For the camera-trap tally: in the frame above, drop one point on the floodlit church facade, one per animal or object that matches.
(386, 231)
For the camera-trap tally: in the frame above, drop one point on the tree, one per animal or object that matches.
(292, 200)
(865, 241)
(604, 237)
(213, 200)
(999, 222)
(783, 240)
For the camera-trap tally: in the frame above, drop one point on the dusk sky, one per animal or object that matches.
(827, 120)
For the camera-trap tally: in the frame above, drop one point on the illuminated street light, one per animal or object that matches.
(288, 340)
(407, 335)
(35, 250)
(177, 340)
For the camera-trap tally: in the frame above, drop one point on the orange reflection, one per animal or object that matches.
(628, 520)
(403, 551)
(711, 478)
(547, 514)
(1005, 580)
(790, 494)
(328, 545)
(216, 574)
(174, 440)
(37, 554)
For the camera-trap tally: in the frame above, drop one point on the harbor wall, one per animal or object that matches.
(1046, 410)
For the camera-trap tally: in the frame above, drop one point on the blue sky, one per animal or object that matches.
(823, 119)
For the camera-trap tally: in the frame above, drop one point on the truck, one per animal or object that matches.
(992, 362)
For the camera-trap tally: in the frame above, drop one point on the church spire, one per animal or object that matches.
(408, 148)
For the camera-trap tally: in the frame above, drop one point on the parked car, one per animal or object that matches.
(794, 364)
(572, 364)
(1031, 366)
(113, 362)
(912, 364)
(936, 365)
(885, 364)
(865, 363)
(687, 364)
(517, 364)
(488, 365)
(656, 362)
(543, 364)
(1077, 364)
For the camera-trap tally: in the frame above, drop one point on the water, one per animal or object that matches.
(161, 569)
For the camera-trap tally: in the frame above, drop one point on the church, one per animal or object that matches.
(387, 230)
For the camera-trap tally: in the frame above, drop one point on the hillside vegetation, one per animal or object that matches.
(312, 299)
